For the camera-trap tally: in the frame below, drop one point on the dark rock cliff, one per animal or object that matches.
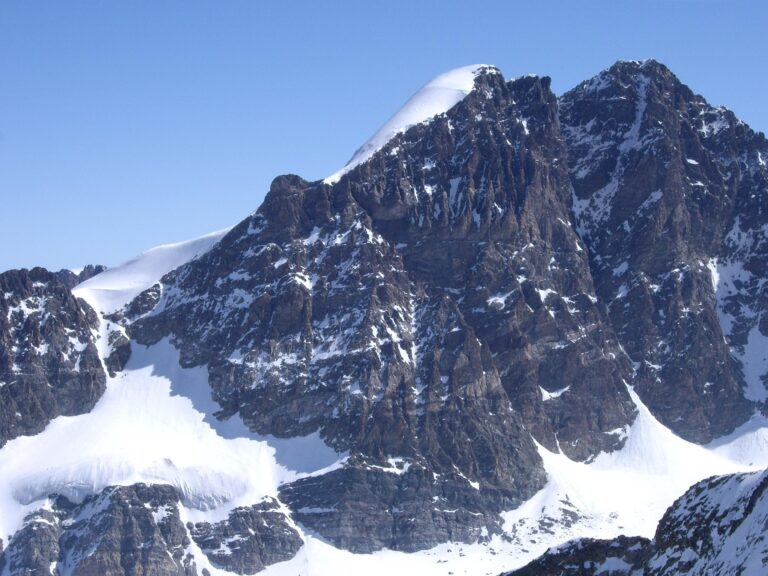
(433, 306)
(49, 365)
(138, 530)
(670, 198)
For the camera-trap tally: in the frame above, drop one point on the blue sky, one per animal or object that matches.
(124, 125)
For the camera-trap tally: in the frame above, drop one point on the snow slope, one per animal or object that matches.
(436, 97)
(747, 444)
(113, 288)
(138, 431)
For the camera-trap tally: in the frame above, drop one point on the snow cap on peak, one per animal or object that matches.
(436, 97)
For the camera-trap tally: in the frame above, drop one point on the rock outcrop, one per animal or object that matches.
(126, 530)
(249, 540)
(49, 364)
(137, 530)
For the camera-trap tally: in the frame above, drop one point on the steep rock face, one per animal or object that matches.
(429, 308)
(128, 530)
(137, 530)
(249, 540)
(479, 204)
(717, 528)
(34, 549)
(670, 197)
(49, 365)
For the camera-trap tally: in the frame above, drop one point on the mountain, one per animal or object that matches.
(510, 321)
(669, 197)
(716, 528)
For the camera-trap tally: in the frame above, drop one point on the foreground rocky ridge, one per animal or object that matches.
(489, 280)
(139, 529)
(717, 528)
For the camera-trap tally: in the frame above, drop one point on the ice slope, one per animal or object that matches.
(436, 97)
(113, 288)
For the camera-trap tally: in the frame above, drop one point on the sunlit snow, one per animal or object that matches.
(117, 286)
(436, 97)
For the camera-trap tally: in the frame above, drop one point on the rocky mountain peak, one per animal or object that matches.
(657, 186)
(497, 279)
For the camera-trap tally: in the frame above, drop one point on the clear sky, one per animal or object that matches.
(124, 125)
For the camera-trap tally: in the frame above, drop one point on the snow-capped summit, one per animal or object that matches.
(436, 97)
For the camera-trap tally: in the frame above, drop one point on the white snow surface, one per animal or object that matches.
(138, 431)
(436, 97)
(154, 424)
(115, 287)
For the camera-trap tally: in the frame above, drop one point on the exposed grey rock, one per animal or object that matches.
(250, 539)
(49, 365)
(137, 530)
(668, 191)
(35, 548)
(127, 530)
(620, 557)
(397, 506)
(130, 530)
(71, 279)
(717, 528)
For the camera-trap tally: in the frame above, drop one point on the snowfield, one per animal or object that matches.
(115, 287)
(154, 424)
(436, 97)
